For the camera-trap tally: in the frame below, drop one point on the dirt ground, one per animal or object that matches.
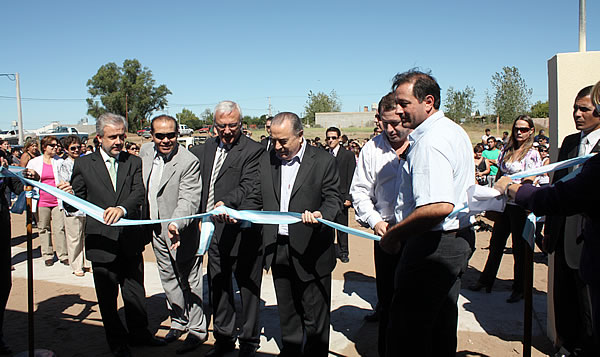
(68, 322)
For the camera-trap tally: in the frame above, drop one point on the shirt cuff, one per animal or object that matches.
(374, 219)
(124, 211)
(174, 223)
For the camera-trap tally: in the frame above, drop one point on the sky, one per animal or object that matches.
(248, 51)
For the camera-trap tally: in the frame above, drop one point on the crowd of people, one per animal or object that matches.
(403, 183)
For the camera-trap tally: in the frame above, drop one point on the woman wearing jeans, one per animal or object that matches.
(518, 155)
(48, 207)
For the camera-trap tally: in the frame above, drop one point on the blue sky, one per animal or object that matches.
(247, 51)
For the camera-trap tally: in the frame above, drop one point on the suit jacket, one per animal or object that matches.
(555, 225)
(346, 162)
(90, 181)
(179, 194)
(237, 178)
(265, 141)
(316, 188)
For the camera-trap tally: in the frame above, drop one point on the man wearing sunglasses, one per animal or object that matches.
(229, 168)
(571, 301)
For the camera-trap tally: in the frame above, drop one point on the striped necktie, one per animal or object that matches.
(210, 202)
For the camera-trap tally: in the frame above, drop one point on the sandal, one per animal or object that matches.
(79, 273)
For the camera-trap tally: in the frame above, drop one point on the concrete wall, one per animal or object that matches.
(345, 120)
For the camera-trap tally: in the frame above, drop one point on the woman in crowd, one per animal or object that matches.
(482, 165)
(48, 207)
(518, 155)
(30, 150)
(74, 221)
(132, 148)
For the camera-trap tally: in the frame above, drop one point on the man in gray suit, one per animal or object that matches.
(173, 185)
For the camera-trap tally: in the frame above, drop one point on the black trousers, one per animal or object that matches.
(5, 259)
(385, 270)
(342, 237)
(247, 270)
(424, 312)
(512, 221)
(126, 272)
(304, 307)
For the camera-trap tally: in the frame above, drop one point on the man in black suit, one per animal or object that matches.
(572, 313)
(266, 142)
(296, 177)
(229, 169)
(346, 162)
(112, 179)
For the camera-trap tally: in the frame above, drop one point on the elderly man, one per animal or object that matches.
(172, 179)
(229, 167)
(377, 188)
(296, 177)
(435, 246)
(112, 180)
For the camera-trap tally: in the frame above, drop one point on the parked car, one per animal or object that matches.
(143, 130)
(185, 130)
(13, 136)
(203, 130)
(64, 131)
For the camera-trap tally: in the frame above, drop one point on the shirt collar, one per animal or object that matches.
(299, 155)
(106, 157)
(169, 156)
(420, 130)
(336, 150)
(592, 137)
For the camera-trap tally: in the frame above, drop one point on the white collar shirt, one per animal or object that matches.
(289, 170)
(588, 142)
(335, 150)
(377, 183)
(106, 159)
(440, 164)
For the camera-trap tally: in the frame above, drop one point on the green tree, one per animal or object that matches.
(321, 103)
(188, 118)
(113, 86)
(540, 110)
(207, 116)
(459, 103)
(511, 96)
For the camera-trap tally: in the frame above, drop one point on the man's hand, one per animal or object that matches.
(347, 203)
(380, 228)
(113, 215)
(390, 245)
(311, 217)
(65, 186)
(174, 236)
(223, 217)
(29, 174)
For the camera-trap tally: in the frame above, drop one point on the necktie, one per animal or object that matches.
(220, 157)
(155, 178)
(112, 171)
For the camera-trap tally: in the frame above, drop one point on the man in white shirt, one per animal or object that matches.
(435, 245)
(375, 190)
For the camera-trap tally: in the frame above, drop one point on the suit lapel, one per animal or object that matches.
(596, 147)
(232, 156)
(168, 171)
(276, 174)
(101, 171)
(122, 171)
(147, 161)
(304, 170)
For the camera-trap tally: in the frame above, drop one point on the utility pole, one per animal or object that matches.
(270, 108)
(582, 41)
(19, 112)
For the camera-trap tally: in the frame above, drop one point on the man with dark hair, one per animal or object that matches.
(377, 188)
(346, 163)
(541, 136)
(266, 142)
(485, 136)
(572, 310)
(435, 246)
(229, 168)
(296, 177)
(505, 137)
(171, 176)
(491, 153)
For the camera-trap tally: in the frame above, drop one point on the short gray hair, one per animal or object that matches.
(226, 107)
(109, 119)
(280, 118)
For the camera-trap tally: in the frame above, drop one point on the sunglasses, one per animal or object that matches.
(331, 138)
(522, 129)
(52, 145)
(161, 136)
(73, 148)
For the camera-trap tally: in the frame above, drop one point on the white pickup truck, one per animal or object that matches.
(63, 131)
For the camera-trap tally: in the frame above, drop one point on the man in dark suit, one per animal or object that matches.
(346, 163)
(266, 142)
(296, 177)
(112, 179)
(229, 170)
(572, 313)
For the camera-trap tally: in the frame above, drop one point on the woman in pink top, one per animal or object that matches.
(49, 208)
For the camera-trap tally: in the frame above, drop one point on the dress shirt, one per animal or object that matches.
(105, 158)
(289, 170)
(376, 183)
(335, 150)
(440, 164)
(588, 142)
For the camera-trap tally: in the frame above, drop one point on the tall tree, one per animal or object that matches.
(540, 110)
(321, 103)
(131, 86)
(459, 103)
(511, 96)
(188, 118)
(207, 116)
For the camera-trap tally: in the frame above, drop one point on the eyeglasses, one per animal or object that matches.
(52, 145)
(134, 148)
(74, 148)
(162, 136)
(231, 126)
(331, 138)
(522, 129)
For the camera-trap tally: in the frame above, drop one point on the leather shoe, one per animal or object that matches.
(173, 335)
(191, 343)
(479, 285)
(65, 262)
(121, 351)
(514, 297)
(220, 349)
(344, 258)
(49, 262)
(147, 340)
